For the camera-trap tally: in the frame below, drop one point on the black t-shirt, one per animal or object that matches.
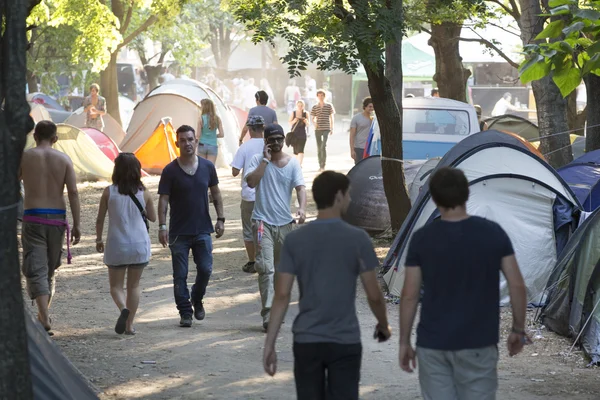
(188, 197)
(460, 264)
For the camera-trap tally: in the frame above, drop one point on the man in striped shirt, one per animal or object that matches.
(323, 117)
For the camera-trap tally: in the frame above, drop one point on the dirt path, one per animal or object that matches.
(220, 357)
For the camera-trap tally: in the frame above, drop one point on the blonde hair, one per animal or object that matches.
(208, 108)
(301, 102)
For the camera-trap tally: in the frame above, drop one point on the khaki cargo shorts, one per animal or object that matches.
(42, 253)
(247, 208)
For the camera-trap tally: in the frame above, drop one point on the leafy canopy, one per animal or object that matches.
(334, 34)
(70, 34)
(569, 46)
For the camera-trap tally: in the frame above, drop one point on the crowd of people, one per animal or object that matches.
(456, 259)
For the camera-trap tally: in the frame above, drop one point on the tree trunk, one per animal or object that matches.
(389, 117)
(551, 106)
(393, 69)
(15, 123)
(152, 74)
(592, 134)
(555, 144)
(572, 114)
(32, 85)
(110, 88)
(450, 74)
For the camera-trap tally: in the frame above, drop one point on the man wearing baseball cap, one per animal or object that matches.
(241, 162)
(275, 175)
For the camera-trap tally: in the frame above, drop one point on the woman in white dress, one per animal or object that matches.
(127, 249)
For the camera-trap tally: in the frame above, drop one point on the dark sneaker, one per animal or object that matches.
(199, 312)
(185, 321)
(249, 267)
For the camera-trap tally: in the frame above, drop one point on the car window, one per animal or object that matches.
(436, 121)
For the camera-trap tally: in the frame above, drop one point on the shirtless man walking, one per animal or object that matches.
(45, 172)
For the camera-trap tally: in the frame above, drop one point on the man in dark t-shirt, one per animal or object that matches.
(457, 260)
(184, 185)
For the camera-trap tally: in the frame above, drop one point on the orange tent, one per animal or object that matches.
(160, 148)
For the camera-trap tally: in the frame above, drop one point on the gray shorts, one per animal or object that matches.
(205, 150)
(469, 374)
(247, 208)
(42, 252)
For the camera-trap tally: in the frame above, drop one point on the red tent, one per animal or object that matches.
(104, 143)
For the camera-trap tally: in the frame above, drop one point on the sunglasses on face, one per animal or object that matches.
(278, 139)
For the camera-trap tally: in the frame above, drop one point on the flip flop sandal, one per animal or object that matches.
(131, 333)
(122, 321)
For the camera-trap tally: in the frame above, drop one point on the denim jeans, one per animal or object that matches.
(322, 136)
(201, 246)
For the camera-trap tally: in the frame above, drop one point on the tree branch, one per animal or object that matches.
(492, 46)
(127, 21)
(139, 30)
(514, 11)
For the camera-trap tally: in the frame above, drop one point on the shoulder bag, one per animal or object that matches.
(142, 211)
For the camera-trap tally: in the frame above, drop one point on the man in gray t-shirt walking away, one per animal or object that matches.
(327, 256)
(360, 127)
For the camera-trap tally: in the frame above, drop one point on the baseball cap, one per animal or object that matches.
(255, 120)
(272, 130)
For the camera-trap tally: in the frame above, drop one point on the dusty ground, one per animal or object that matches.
(220, 357)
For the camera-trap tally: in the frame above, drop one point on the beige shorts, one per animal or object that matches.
(42, 253)
(247, 208)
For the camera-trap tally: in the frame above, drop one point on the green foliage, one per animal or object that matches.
(336, 35)
(568, 48)
(69, 36)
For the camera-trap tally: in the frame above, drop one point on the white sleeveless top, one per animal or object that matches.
(128, 241)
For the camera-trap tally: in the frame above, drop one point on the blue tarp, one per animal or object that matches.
(583, 177)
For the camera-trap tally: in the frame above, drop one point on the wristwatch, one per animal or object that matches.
(265, 159)
(221, 220)
(162, 227)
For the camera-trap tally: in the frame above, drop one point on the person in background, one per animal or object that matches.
(94, 107)
(360, 127)
(275, 175)
(300, 122)
(127, 249)
(435, 92)
(45, 173)
(310, 92)
(323, 118)
(454, 263)
(483, 126)
(241, 162)
(208, 125)
(503, 105)
(266, 86)
(327, 256)
(268, 114)
(249, 94)
(328, 93)
(291, 96)
(183, 187)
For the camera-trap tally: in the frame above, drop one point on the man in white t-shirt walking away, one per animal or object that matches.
(241, 162)
(360, 127)
(275, 175)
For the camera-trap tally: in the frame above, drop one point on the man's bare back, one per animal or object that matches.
(45, 172)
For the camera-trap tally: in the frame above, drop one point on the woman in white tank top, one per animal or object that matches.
(127, 248)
